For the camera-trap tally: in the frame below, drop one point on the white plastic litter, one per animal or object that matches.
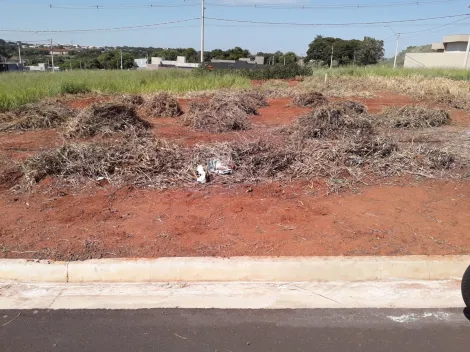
(218, 167)
(201, 174)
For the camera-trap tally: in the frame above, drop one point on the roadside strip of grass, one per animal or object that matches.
(17, 89)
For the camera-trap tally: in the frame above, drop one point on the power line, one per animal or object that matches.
(333, 6)
(430, 29)
(99, 29)
(334, 24)
(256, 6)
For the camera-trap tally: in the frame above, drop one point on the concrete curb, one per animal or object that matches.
(256, 269)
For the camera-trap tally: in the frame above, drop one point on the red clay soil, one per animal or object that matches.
(279, 112)
(271, 219)
(409, 217)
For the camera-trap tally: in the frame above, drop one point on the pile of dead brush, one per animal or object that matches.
(414, 117)
(162, 105)
(157, 163)
(211, 117)
(131, 99)
(45, 114)
(248, 101)
(310, 99)
(106, 119)
(346, 119)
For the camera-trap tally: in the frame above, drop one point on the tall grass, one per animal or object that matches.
(17, 89)
(387, 71)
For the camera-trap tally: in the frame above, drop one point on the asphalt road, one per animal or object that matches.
(189, 330)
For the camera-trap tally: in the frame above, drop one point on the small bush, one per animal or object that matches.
(414, 117)
(310, 99)
(162, 105)
(107, 119)
(74, 88)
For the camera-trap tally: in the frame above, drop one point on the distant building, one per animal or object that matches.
(57, 51)
(448, 54)
(241, 63)
(141, 63)
(11, 66)
(159, 63)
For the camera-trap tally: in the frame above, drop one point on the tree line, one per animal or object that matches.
(345, 52)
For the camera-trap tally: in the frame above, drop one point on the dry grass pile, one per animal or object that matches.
(350, 106)
(157, 163)
(310, 99)
(162, 105)
(335, 121)
(217, 115)
(248, 101)
(141, 161)
(131, 99)
(106, 119)
(46, 114)
(414, 117)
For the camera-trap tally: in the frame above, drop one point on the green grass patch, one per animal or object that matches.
(387, 71)
(17, 89)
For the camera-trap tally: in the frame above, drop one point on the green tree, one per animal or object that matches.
(371, 51)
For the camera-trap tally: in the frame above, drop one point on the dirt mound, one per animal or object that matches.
(414, 117)
(46, 114)
(310, 99)
(216, 116)
(106, 119)
(332, 121)
(162, 105)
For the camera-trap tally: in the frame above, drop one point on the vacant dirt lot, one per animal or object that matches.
(56, 219)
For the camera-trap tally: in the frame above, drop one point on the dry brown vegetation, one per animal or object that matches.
(106, 119)
(46, 114)
(414, 117)
(224, 112)
(162, 105)
(334, 121)
(310, 99)
(131, 99)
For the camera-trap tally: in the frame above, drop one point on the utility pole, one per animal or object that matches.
(466, 54)
(332, 52)
(19, 52)
(121, 60)
(202, 33)
(284, 60)
(396, 51)
(398, 45)
(52, 57)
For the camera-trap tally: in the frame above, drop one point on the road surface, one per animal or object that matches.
(193, 330)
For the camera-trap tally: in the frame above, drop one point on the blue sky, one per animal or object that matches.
(37, 15)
